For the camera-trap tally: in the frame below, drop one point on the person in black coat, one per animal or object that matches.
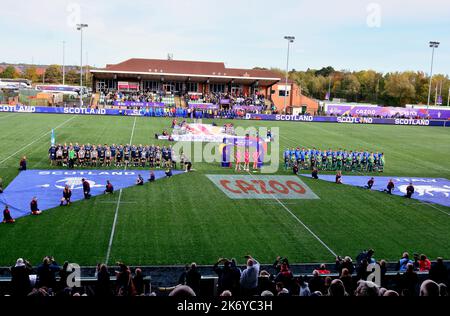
(409, 191)
(86, 189)
(46, 273)
(103, 284)
(20, 278)
(229, 276)
(439, 272)
(193, 278)
(315, 174)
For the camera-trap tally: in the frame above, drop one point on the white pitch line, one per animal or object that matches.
(116, 215)
(435, 207)
(303, 224)
(3, 117)
(37, 139)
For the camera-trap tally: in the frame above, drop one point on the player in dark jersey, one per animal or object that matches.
(65, 154)
(126, 155)
(52, 155)
(101, 154)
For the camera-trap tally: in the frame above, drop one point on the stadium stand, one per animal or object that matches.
(282, 279)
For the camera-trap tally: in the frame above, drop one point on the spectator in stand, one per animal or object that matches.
(429, 288)
(193, 278)
(424, 264)
(229, 276)
(249, 277)
(7, 218)
(323, 269)
(367, 288)
(182, 291)
(46, 272)
(20, 278)
(103, 286)
(409, 281)
(124, 281)
(347, 281)
(403, 263)
(281, 290)
(337, 289)
(439, 272)
(346, 263)
(138, 281)
(303, 287)
(285, 276)
(317, 283)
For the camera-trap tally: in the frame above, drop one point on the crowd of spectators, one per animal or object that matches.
(348, 279)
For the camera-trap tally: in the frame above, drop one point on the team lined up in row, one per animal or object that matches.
(333, 160)
(117, 155)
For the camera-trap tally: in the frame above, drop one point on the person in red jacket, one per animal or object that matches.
(323, 270)
(424, 264)
(7, 218)
(34, 207)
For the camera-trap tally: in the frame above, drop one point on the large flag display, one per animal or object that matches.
(433, 190)
(48, 185)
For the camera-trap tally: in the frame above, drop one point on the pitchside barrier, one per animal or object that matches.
(159, 112)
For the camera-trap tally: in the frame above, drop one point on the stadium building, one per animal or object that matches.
(178, 77)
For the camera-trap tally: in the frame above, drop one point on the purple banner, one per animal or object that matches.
(346, 120)
(140, 104)
(225, 101)
(248, 108)
(386, 112)
(203, 106)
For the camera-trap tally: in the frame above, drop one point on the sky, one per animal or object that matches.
(384, 35)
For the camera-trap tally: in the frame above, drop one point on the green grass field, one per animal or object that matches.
(186, 218)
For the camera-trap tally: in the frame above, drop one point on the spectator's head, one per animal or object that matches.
(138, 272)
(383, 263)
(348, 259)
(429, 288)
(20, 263)
(336, 288)
(423, 257)
(323, 267)
(316, 273)
(266, 293)
(390, 293)
(405, 255)
(193, 266)
(345, 272)
(279, 286)
(367, 288)
(440, 261)
(182, 291)
(410, 268)
(226, 293)
(249, 263)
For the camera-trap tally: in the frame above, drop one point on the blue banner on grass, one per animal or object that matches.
(433, 190)
(48, 185)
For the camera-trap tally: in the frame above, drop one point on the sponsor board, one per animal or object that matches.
(263, 187)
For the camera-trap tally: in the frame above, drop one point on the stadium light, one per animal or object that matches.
(290, 39)
(80, 28)
(433, 45)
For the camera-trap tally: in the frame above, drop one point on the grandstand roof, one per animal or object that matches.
(183, 68)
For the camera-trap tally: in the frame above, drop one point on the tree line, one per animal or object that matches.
(369, 86)
(53, 74)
